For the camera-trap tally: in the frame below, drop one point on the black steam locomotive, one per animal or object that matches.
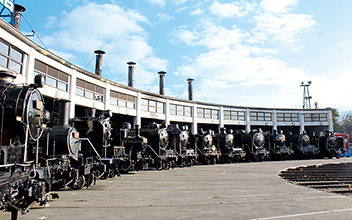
(184, 142)
(207, 145)
(302, 146)
(22, 124)
(61, 148)
(277, 146)
(327, 144)
(253, 143)
(231, 150)
(162, 153)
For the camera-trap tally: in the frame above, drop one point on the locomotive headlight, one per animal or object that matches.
(213, 148)
(145, 141)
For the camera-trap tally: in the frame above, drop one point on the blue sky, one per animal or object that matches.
(245, 53)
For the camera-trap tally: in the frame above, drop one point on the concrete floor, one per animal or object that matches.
(224, 191)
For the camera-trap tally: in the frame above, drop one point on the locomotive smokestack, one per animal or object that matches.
(64, 106)
(99, 62)
(162, 82)
(131, 73)
(6, 77)
(190, 88)
(16, 19)
(90, 112)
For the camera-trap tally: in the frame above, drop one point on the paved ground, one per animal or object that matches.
(224, 191)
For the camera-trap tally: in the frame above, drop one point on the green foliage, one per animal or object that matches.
(342, 122)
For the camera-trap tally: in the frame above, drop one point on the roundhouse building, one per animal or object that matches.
(87, 90)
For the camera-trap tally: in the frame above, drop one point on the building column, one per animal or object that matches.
(73, 93)
(248, 121)
(195, 123)
(274, 119)
(330, 121)
(301, 122)
(107, 97)
(28, 66)
(221, 118)
(138, 119)
(167, 112)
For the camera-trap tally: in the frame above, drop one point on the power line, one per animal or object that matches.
(109, 70)
(170, 86)
(141, 79)
(121, 75)
(34, 32)
(88, 63)
(201, 93)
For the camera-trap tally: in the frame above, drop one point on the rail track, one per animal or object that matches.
(335, 178)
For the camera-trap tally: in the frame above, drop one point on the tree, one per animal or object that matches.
(344, 124)
(335, 119)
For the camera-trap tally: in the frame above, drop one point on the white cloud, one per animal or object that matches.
(198, 11)
(161, 3)
(278, 6)
(180, 2)
(281, 28)
(115, 30)
(228, 10)
(211, 35)
(164, 17)
(238, 64)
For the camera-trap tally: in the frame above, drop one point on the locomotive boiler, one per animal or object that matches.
(230, 149)
(21, 124)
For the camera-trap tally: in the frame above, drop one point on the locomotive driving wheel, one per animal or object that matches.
(79, 183)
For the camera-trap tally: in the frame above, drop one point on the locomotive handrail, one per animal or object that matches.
(87, 139)
(154, 151)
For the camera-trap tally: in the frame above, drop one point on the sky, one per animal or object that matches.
(252, 53)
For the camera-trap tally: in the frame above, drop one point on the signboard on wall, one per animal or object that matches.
(7, 4)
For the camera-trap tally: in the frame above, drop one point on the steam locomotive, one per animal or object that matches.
(302, 146)
(327, 144)
(61, 147)
(231, 150)
(22, 124)
(162, 152)
(184, 143)
(277, 146)
(253, 143)
(207, 145)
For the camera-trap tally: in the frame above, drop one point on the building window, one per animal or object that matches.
(152, 106)
(52, 76)
(180, 110)
(260, 116)
(234, 115)
(290, 117)
(207, 113)
(123, 100)
(89, 90)
(313, 117)
(11, 57)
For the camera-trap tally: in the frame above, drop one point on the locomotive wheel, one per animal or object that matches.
(79, 184)
(89, 178)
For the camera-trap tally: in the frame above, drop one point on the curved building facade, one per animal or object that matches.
(87, 90)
